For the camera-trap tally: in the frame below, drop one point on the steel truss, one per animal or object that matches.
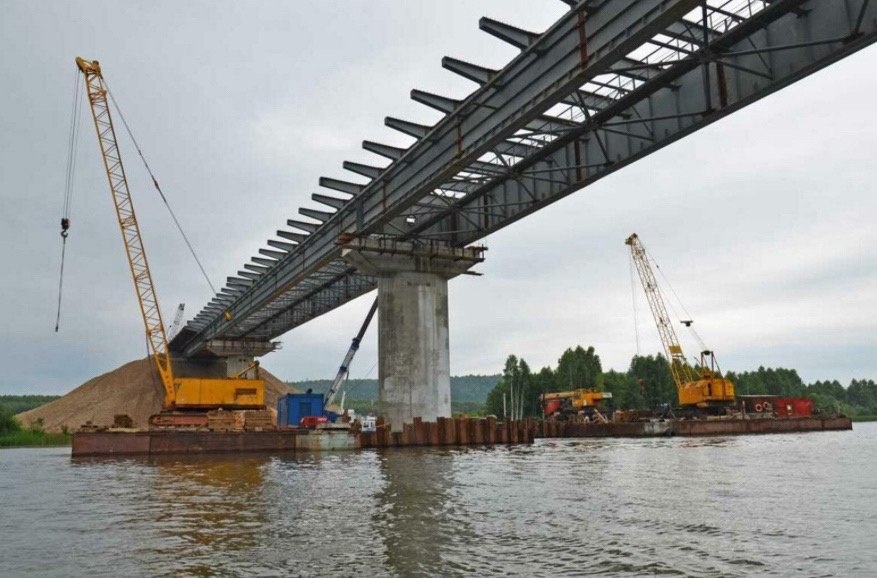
(610, 82)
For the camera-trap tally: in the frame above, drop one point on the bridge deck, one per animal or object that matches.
(610, 82)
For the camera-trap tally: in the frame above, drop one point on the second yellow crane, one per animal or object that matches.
(703, 388)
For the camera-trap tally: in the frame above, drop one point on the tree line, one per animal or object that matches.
(648, 383)
(18, 403)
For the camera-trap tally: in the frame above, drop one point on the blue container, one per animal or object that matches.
(294, 406)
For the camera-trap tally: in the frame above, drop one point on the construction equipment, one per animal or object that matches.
(344, 370)
(186, 393)
(577, 401)
(704, 388)
(178, 319)
(313, 409)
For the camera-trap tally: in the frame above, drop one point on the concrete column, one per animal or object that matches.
(413, 346)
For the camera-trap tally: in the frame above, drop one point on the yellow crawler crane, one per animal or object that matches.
(706, 389)
(185, 394)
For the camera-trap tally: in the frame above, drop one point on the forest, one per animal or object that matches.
(648, 383)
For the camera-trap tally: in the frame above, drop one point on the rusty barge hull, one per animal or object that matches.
(691, 428)
(158, 442)
(444, 432)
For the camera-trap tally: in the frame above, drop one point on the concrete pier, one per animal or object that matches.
(413, 346)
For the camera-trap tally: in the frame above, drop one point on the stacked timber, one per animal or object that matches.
(123, 420)
(258, 420)
(225, 421)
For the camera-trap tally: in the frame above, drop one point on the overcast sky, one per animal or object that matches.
(764, 222)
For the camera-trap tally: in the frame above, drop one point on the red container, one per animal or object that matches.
(793, 407)
(312, 421)
(551, 406)
(759, 404)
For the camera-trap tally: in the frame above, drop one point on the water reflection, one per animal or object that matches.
(415, 518)
(755, 506)
(211, 503)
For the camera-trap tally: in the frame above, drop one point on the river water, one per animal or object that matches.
(776, 505)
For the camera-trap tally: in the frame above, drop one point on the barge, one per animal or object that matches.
(706, 427)
(443, 432)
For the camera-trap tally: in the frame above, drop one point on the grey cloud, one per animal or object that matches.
(240, 108)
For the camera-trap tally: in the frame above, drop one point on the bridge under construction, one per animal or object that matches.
(609, 83)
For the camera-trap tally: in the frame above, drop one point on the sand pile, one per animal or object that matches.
(133, 389)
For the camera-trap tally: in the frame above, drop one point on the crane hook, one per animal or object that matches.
(65, 227)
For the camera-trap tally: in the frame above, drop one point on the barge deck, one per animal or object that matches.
(443, 432)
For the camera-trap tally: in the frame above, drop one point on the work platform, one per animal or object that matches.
(447, 432)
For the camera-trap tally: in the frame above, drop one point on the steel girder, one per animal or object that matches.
(610, 82)
(706, 80)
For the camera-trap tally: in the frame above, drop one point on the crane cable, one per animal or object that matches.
(689, 320)
(633, 299)
(160, 192)
(73, 138)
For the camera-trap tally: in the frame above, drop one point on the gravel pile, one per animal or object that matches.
(133, 389)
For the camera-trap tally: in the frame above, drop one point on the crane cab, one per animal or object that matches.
(709, 392)
(206, 393)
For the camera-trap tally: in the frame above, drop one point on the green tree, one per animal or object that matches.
(578, 368)
(768, 381)
(543, 382)
(517, 391)
(652, 374)
(8, 423)
(863, 394)
(624, 388)
(499, 400)
(832, 389)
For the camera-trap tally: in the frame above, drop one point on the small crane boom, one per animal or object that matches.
(678, 365)
(178, 319)
(344, 370)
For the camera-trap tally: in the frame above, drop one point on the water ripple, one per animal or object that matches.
(746, 506)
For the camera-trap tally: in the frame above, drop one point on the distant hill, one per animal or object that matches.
(464, 388)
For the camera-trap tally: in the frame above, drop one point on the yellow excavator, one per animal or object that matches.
(703, 388)
(186, 399)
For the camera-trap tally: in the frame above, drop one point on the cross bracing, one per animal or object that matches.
(608, 83)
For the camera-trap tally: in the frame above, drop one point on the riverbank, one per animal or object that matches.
(28, 438)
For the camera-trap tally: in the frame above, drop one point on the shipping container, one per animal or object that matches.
(758, 404)
(294, 406)
(793, 407)
(777, 405)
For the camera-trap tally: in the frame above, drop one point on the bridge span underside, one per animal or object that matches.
(610, 82)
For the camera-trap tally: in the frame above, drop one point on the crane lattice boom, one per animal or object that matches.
(706, 390)
(682, 372)
(103, 123)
